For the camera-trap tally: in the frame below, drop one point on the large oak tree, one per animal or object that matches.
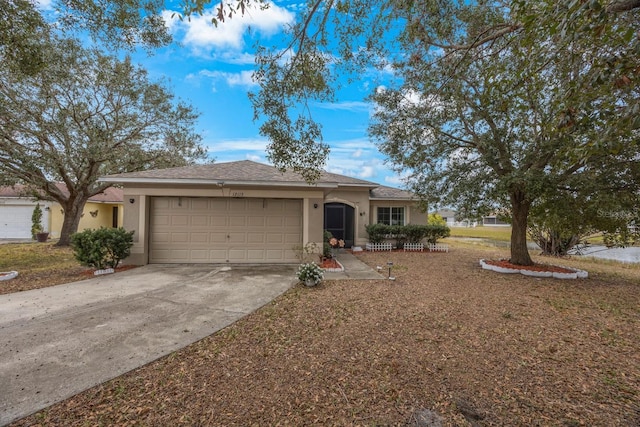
(85, 115)
(494, 104)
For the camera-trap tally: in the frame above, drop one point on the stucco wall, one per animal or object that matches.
(136, 214)
(358, 199)
(95, 215)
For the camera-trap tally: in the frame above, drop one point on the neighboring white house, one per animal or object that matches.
(449, 215)
(15, 214)
(16, 210)
(494, 221)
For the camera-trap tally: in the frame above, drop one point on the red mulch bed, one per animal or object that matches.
(535, 267)
(330, 263)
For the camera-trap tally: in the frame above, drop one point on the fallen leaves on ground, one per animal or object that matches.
(474, 346)
(40, 265)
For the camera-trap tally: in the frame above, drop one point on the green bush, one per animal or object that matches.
(102, 248)
(411, 233)
(36, 221)
(326, 247)
(377, 232)
(435, 232)
(415, 233)
(397, 232)
(435, 219)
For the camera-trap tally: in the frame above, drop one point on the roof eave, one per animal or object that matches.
(217, 182)
(404, 199)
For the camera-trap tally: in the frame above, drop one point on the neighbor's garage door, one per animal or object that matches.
(15, 221)
(203, 230)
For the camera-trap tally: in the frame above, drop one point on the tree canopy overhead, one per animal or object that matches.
(87, 115)
(21, 30)
(491, 104)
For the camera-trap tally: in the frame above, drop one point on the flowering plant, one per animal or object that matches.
(311, 272)
(335, 242)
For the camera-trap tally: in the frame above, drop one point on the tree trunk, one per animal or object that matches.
(72, 214)
(520, 212)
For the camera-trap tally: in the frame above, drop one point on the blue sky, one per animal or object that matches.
(210, 67)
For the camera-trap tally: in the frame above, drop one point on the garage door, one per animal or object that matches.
(15, 221)
(218, 230)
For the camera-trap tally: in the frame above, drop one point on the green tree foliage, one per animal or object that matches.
(102, 248)
(435, 219)
(36, 221)
(84, 116)
(127, 23)
(492, 107)
(21, 31)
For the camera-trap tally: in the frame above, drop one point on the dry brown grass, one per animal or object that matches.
(38, 265)
(474, 346)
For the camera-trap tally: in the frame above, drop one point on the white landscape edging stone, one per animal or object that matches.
(105, 271)
(8, 275)
(335, 270)
(536, 273)
(576, 274)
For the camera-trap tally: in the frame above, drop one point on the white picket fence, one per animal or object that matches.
(438, 247)
(378, 246)
(413, 247)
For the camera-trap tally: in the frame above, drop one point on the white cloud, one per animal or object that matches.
(255, 158)
(355, 106)
(235, 145)
(199, 33)
(45, 4)
(242, 79)
(357, 154)
(237, 149)
(238, 58)
(367, 172)
(396, 180)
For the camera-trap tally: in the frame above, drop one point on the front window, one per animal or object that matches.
(391, 216)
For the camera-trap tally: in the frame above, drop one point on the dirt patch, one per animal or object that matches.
(30, 280)
(446, 339)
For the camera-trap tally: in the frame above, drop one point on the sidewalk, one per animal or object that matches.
(353, 269)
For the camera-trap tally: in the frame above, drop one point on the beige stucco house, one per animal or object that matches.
(102, 210)
(248, 212)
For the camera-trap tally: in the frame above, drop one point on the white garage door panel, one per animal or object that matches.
(202, 230)
(15, 221)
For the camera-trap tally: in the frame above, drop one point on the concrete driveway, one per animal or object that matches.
(58, 341)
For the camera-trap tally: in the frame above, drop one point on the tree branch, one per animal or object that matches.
(619, 6)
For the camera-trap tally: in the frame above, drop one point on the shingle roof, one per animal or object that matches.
(243, 171)
(389, 193)
(110, 195)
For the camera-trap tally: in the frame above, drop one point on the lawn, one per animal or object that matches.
(483, 232)
(38, 265)
(473, 346)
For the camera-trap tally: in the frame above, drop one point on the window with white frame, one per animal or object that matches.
(391, 215)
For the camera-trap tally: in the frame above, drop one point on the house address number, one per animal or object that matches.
(237, 194)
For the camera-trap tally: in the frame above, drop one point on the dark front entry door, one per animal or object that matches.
(339, 221)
